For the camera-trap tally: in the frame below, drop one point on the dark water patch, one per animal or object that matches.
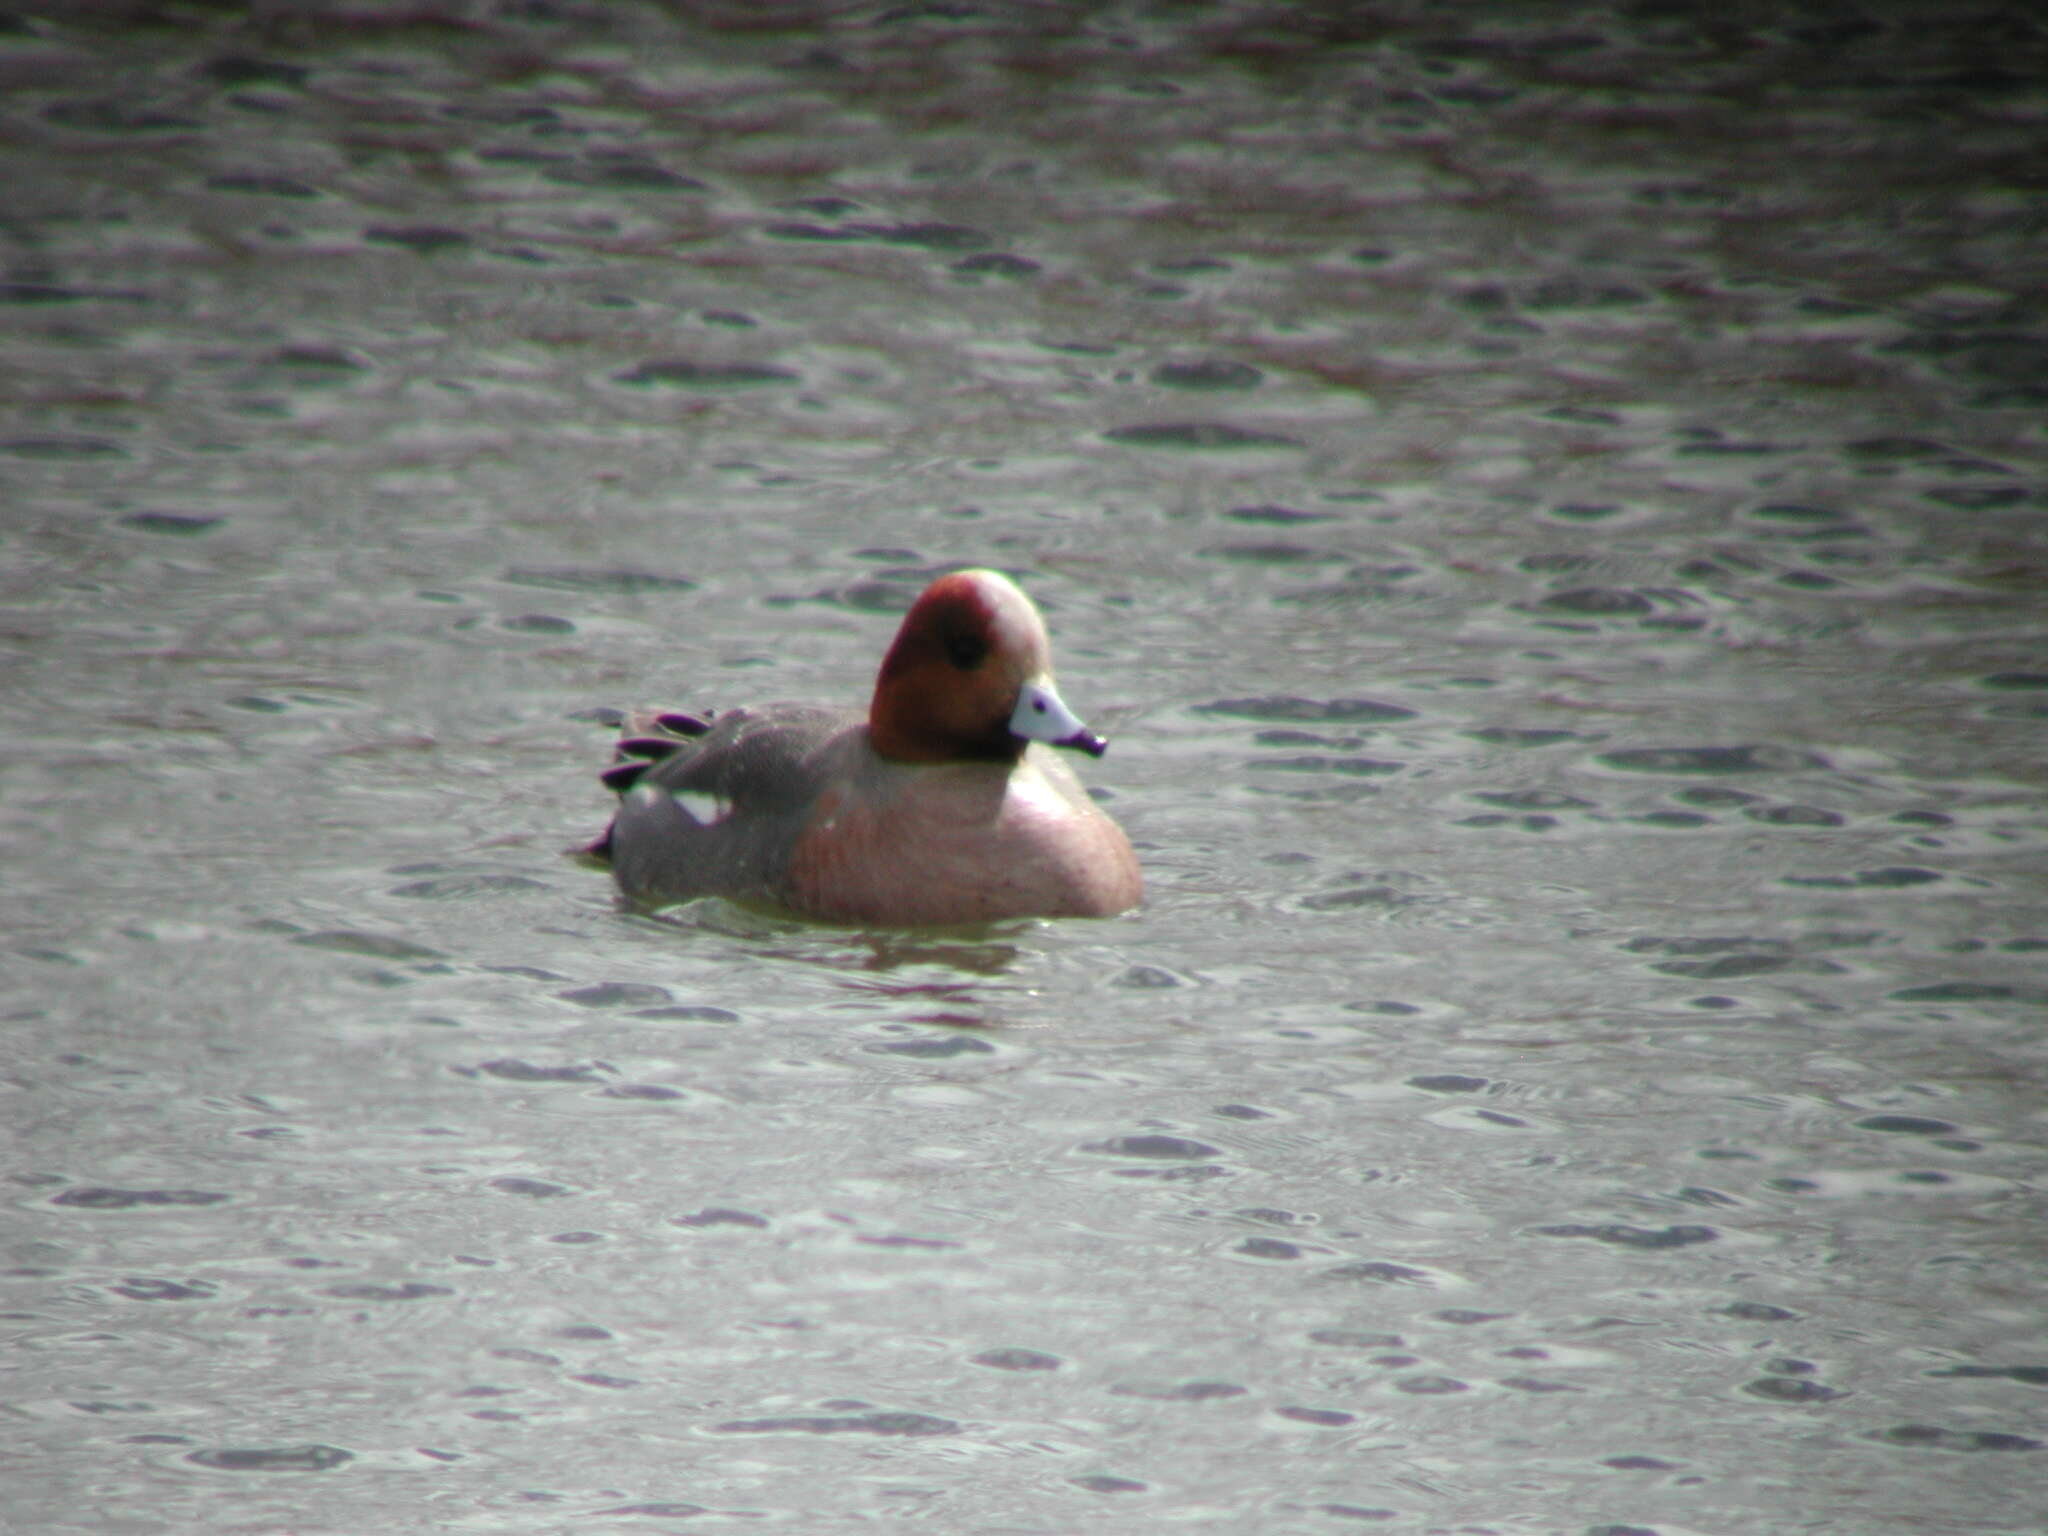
(720, 1216)
(904, 1240)
(1353, 1338)
(1802, 518)
(1905, 1125)
(1711, 445)
(175, 525)
(465, 887)
(1715, 796)
(1102, 1482)
(797, 229)
(251, 69)
(1449, 1082)
(1274, 513)
(616, 994)
(533, 1189)
(1207, 373)
(1970, 992)
(653, 1093)
(64, 293)
(2026, 1375)
(1621, 1235)
(828, 206)
(1147, 978)
(2014, 682)
(1572, 292)
(375, 946)
(260, 184)
(1793, 816)
(1532, 800)
(113, 114)
(1385, 1008)
(2011, 366)
(1017, 1360)
(1892, 877)
(1894, 449)
(1380, 1272)
(933, 1047)
(1736, 967)
(1431, 1386)
(699, 1013)
(1729, 760)
(420, 239)
(1353, 898)
(1199, 435)
(62, 448)
(1792, 1389)
(1322, 1418)
(1284, 736)
(996, 264)
(296, 1458)
(1977, 498)
(1179, 1391)
(888, 1425)
(1172, 1148)
(620, 172)
(537, 624)
(408, 1290)
(1758, 1312)
(1504, 736)
(618, 581)
(687, 373)
(1492, 819)
(660, 1510)
(1932, 1437)
(1272, 1249)
(1270, 552)
(928, 235)
(512, 1070)
(1598, 602)
(313, 365)
(1673, 821)
(262, 704)
(142, 1288)
(104, 1198)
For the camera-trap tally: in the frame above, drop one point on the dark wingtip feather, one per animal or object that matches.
(653, 748)
(621, 777)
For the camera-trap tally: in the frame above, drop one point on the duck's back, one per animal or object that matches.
(720, 814)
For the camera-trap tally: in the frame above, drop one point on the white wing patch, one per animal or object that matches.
(704, 809)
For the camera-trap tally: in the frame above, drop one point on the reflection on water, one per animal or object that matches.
(1549, 506)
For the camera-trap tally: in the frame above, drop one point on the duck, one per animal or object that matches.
(947, 802)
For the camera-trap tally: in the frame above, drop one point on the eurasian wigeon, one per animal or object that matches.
(942, 806)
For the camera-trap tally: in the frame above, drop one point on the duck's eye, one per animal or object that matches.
(966, 651)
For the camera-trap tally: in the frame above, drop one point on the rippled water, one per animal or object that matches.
(1549, 504)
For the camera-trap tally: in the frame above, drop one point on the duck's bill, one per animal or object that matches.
(1042, 715)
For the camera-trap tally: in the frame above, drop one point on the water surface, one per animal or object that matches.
(1548, 504)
